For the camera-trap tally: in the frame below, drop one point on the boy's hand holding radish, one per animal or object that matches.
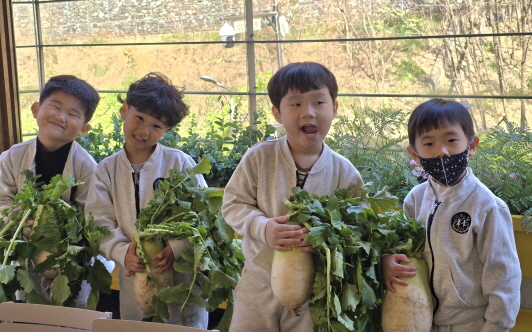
(26, 230)
(392, 269)
(166, 259)
(281, 236)
(132, 262)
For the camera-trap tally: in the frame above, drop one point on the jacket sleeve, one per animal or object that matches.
(84, 170)
(8, 182)
(240, 202)
(501, 275)
(408, 205)
(100, 205)
(354, 181)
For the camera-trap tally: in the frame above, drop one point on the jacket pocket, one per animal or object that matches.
(446, 289)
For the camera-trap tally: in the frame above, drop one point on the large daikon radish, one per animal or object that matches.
(143, 287)
(409, 309)
(292, 278)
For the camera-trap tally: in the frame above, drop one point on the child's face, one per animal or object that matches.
(141, 131)
(446, 141)
(61, 118)
(306, 118)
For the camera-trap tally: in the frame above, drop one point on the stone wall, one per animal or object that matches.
(68, 21)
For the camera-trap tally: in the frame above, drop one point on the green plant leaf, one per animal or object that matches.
(25, 279)
(59, 291)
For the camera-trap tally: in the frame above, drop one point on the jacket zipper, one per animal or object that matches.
(431, 280)
(136, 180)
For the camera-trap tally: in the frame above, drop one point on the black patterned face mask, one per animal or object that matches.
(446, 169)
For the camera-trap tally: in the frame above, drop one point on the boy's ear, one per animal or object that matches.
(335, 110)
(123, 110)
(473, 146)
(276, 114)
(35, 109)
(86, 127)
(414, 156)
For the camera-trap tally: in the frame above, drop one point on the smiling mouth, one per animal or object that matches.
(309, 130)
(139, 138)
(57, 125)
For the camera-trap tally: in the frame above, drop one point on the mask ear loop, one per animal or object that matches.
(444, 173)
(423, 172)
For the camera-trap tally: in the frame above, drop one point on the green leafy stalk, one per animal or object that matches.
(350, 234)
(182, 210)
(17, 232)
(65, 235)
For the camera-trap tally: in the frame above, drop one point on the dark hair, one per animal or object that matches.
(73, 86)
(438, 112)
(155, 95)
(303, 77)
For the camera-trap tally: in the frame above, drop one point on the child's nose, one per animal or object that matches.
(309, 110)
(443, 151)
(60, 116)
(143, 129)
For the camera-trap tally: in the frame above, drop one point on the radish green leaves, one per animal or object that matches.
(350, 235)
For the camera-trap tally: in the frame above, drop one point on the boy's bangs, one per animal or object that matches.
(306, 78)
(303, 83)
(154, 113)
(434, 124)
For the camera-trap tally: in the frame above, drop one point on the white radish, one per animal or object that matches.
(409, 309)
(41, 257)
(143, 287)
(41, 216)
(292, 278)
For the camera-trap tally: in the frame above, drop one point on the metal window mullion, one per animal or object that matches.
(39, 48)
(291, 41)
(250, 52)
(34, 1)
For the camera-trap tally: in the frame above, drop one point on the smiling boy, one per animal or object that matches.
(125, 182)
(65, 107)
(304, 102)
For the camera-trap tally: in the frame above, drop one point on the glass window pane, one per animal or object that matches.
(28, 123)
(24, 24)
(101, 21)
(28, 75)
(433, 66)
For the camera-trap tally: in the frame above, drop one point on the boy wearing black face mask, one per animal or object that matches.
(474, 271)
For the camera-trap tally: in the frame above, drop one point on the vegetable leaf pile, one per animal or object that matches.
(183, 210)
(71, 242)
(350, 235)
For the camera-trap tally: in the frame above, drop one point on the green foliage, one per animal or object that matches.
(224, 143)
(409, 71)
(350, 235)
(371, 141)
(100, 144)
(182, 210)
(404, 23)
(98, 70)
(503, 163)
(60, 229)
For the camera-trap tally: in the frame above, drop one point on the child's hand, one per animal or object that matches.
(166, 258)
(280, 236)
(26, 229)
(304, 245)
(392, 270)
(132, 262)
